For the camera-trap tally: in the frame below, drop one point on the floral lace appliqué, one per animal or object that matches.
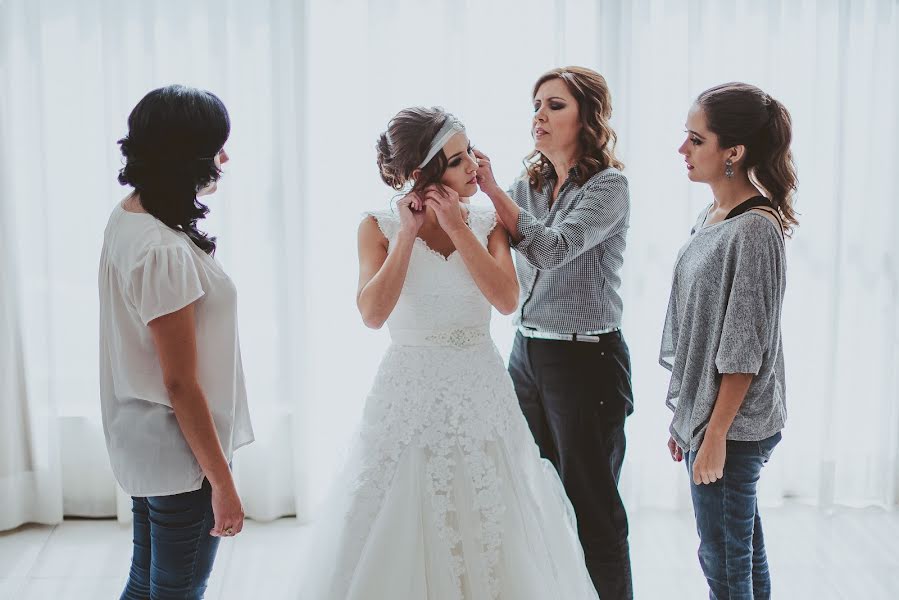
(449, 399)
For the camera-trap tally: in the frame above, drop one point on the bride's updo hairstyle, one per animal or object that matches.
(405, 144)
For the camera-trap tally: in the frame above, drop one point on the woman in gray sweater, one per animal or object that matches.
(722, 334)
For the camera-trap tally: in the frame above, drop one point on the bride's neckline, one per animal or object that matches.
(429, 250)
(444, 257)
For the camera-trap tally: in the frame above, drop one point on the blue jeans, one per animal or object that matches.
(173, 551)
(731, 543)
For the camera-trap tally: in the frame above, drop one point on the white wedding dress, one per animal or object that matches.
(445, 495)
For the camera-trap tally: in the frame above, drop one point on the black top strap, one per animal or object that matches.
(757, 202)
(776, 215)
(754, 202)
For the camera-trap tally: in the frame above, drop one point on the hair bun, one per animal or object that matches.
(389, 173)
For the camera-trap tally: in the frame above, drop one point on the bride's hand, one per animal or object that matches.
(412, 213)
(446, 204)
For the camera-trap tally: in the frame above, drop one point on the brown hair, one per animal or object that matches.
(405, 144)
(742, 114)
(597, 138)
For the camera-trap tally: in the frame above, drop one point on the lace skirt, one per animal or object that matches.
(445, 496)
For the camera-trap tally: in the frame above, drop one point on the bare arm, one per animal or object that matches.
(174, 335)
(709, 464)
(492, 267)
(382, 275)
(731, 394)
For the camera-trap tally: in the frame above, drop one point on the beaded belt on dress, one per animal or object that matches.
(459, 338)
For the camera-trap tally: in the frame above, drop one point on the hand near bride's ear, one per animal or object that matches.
(486, 180)
(446, 204)
(412, 212)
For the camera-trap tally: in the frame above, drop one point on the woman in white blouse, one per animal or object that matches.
(171, 383)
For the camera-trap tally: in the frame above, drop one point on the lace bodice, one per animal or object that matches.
(439, 293)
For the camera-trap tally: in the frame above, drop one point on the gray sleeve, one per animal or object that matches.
(670, 328)
(602, 211)
(669, 332)
(751, 306)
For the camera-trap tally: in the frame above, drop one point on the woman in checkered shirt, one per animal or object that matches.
(567, 216)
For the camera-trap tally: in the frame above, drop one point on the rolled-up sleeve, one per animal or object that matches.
(602, 211)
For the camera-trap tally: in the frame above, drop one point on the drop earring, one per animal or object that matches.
(729, 169)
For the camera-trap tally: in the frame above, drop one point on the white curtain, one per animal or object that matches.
(29, 452)
(310, 85)
(835, 65)
(73, 71)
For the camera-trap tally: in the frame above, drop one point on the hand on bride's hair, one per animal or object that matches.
(486, 180)
(446, 204)
(412, 212)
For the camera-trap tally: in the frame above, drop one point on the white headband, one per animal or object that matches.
(449, 129)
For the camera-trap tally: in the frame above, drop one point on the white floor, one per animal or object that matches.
(848, 554)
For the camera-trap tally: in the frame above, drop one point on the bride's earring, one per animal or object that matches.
(729, 168)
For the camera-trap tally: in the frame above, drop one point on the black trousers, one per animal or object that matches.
(575, 397)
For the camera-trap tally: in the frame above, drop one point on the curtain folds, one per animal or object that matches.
(310, 85)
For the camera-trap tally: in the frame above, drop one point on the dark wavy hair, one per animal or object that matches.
(596, 138)
(742, 114)
(174, 135)
(405, 144)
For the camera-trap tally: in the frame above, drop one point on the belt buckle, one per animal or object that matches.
(593, 339)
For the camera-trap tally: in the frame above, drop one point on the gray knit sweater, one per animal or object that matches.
(724, 317)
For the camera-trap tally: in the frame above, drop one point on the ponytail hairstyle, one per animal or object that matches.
(406, 143)
(174, 135)
(742, 114)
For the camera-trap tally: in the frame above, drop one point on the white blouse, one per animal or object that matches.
(148, 270)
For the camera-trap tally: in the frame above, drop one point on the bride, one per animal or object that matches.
(445, 496)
